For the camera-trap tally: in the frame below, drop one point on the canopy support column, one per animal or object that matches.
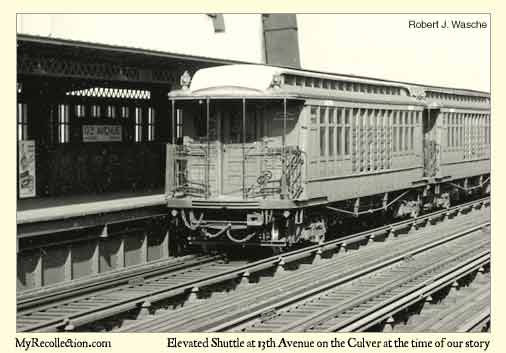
(208, 169)
(283, 155)
(244, 194)
(173, 122)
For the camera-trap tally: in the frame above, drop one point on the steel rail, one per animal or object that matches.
(413, 295)
(26, 300)
(346, 279)
(262, 299)
(107, 310)
(476, 322)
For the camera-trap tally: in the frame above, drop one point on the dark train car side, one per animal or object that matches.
(269, 156)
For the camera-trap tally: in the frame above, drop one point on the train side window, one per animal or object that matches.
(339, 123)
(450, 127)
(461, 128)
(331, 127)
(138, 124)
(289, 80)
(347, 132)
(446, 120)
(457, 130)
(313, 113)
(406, 130)
(151, 124)
(22, 122)
(63, 123)
(412, 137)
(401, 131)
(487, 130)
(323, 137)
(394, 126)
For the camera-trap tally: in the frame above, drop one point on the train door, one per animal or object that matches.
(235, 174)
(431, 142)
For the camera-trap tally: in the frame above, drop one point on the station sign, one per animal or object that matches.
(26, 168)
(102, 133)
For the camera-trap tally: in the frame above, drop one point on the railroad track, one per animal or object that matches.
(36, 297)
(464, 309)
(377, 298)
(75, 312)
(262, 301)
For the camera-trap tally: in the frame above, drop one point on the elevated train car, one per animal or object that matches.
(271, 156)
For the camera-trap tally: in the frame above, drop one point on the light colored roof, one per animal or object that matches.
(255, 77)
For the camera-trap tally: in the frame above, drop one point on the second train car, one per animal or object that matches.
(273, 156)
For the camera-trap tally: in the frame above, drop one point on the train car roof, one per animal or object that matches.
(252, 80)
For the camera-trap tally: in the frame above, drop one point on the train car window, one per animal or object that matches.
(347, 132)
(138, 124)
(394, 125)
(457, 129)
(323, 111)
(449, 128)
(151, 124)
(317, 83)
(333, 85)
(331, 127)
(406, 131)
(446, 120)
(488, 128)
(401, 131)
(22, 121)
(339, 134)
(451, 117)
(299, 81)
(323, 137)
(331, 140)
(289, 80)
(461, 128)
(360, 115)
(332, 113)
(313, 115)
(326, 84)
(63, 123)
(412, 134)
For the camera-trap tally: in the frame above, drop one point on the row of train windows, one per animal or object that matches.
(370, 126)
(63, 120)
(315, 82)
(464, 129)
(334, 130)
(457, 97)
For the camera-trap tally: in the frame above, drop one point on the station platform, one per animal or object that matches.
(43, 215)
(46, 209)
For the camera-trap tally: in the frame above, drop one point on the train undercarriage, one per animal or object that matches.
(282, 228)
